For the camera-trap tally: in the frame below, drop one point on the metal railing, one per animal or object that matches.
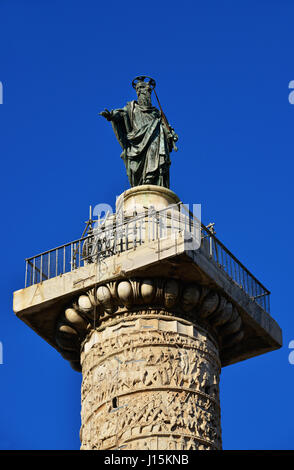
(114, 237)
(235, 270)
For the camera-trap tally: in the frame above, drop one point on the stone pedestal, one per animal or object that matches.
(151, 213)
(142, 198)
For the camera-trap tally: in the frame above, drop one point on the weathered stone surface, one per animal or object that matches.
(150, 384)
(139, 198)
(167, 298)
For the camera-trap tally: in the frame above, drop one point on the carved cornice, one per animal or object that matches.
(165, 297)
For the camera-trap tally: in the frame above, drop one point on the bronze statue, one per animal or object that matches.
(144, 135)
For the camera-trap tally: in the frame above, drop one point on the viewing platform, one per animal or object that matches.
(152, 243)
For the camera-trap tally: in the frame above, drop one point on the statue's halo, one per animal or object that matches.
(142, 78)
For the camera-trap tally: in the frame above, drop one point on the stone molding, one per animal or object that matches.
(167, 298)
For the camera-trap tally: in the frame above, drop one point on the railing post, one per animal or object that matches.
(244, 281)
(71, 257)
(210, 246)
(63, 260)
(140, 231)
(235, 272)
(26, 274)
(222, 258)
(127, 235)
(34, 263)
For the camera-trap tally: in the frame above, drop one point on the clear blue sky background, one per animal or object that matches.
(222, 72)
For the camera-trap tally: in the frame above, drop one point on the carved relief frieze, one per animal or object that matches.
(151, 390)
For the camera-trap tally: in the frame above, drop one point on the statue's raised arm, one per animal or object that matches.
(144, 135)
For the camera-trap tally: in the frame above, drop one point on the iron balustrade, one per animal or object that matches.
(105, 241)
(235, 270)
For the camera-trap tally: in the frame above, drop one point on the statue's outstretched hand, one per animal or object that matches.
(175, 136)
(107, 114)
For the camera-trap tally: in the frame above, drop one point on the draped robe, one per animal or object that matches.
(146, 143)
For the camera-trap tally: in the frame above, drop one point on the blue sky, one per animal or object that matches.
(222, 72)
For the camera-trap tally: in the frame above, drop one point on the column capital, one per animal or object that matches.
(163, 298)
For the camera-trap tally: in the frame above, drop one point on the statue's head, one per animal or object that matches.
(144, 86)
